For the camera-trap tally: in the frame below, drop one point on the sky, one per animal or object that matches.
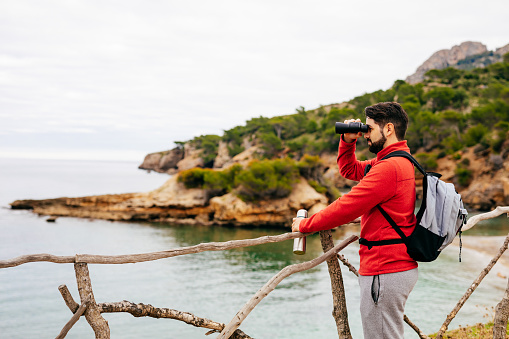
(116, 80)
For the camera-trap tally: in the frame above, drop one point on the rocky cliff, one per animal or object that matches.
(467, 54)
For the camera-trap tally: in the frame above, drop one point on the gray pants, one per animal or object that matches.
(383, 299)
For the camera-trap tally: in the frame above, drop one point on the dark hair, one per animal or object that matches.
(385, 112)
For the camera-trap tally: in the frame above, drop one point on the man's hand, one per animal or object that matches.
(295, 224)
(351, 137)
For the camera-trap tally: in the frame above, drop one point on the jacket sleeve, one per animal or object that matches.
(349, 166)
(377, 187)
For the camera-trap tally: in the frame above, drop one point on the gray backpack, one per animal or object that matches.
(439, 218)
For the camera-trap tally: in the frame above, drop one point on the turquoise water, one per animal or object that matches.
(213, 285)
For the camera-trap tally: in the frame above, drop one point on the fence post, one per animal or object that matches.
(501, 316)
(339, 311)
(92, 312)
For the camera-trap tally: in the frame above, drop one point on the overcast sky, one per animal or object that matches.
(120, 79)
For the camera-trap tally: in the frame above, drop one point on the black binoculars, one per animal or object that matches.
(352, 127)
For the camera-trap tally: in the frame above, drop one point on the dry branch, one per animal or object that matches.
(142, 310)
(484, 216)
(69, 300)
(79, 312)
(472, 288)
(415, 328)
(134, 258)
(345, 262)
(339, 309)
(92, 313)
(272, 283)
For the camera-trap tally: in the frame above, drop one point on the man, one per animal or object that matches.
(387, 273)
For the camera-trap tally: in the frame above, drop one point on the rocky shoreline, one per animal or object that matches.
(176, 204)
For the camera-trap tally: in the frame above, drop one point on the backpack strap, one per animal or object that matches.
(407, 155)
(398, 230)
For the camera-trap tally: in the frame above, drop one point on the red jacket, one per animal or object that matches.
(390, 183)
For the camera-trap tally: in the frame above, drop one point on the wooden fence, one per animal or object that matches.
(92, 310)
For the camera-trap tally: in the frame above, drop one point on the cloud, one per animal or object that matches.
(169, 71)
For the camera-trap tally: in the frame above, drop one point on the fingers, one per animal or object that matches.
(295, 224)
(352, 120)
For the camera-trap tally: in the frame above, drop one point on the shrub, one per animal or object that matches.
(271, 144)
(475, 134)
(266, 178)
(427, 160)
(318, 187)
(310, 167)
(192, 178)
(464, 175)
(214, 182)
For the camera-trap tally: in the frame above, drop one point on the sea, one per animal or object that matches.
(212, 285)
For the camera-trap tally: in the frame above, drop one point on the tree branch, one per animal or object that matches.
(134, 258)
(339, 309)
(476, 218)
(142, 310)
(92, 313)
(272, 283)
(79, 312)
(69, 300)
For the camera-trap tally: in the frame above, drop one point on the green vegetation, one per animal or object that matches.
(260, 179)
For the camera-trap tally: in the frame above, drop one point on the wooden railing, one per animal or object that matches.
(92, 310)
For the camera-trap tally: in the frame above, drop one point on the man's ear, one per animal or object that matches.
(389, 129)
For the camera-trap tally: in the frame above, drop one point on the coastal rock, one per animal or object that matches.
(231, 209)
(192, 158)
(163, 162)
(223, 155)
(244, 157)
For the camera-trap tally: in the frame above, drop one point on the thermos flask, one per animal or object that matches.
(299, 244)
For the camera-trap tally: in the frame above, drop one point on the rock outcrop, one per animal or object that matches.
(445, 58)
(174, 203)
(163, 162)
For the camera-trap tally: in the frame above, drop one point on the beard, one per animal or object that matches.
(377, 146)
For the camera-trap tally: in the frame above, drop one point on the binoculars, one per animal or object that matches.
(352, 127)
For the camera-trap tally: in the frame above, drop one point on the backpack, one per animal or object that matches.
(439, 218)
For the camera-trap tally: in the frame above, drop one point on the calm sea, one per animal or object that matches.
(212, 285)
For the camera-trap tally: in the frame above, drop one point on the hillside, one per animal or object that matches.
(459, 125)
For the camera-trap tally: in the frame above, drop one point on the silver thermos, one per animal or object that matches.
(299, 244)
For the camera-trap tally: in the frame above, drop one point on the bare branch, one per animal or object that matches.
(142, 310)
(493, 214)
(133, 258)
(347, 264)
(92, 313)
(472, 288)
(36, 257)
(272, 283)
(415, 328)
(69, 300)
(79, 312)
(339, 309)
